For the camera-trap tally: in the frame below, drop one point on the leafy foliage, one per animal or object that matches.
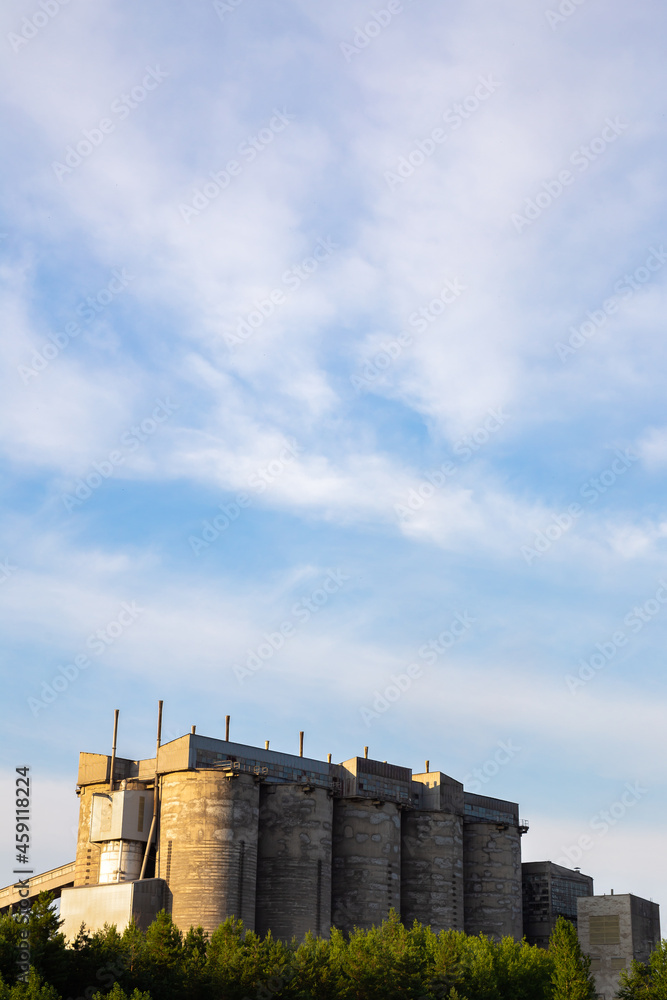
(390, 962)
(646, 982)
(571, 978)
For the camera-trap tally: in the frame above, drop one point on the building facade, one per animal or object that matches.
(549, 892)
(614, 930)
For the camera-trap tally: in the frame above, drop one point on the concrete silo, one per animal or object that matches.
(492, 867)
(432, 854)
(208, 846)
(366, 880)
(294, 861)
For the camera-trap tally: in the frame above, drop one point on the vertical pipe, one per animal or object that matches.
(227, 718)
(301, 744)
(155, 792)
(328, 758)
(113, 746)
(266, 744)
(428, 764)
(365, 751)
(193, 729)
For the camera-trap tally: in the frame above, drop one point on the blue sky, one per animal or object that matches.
(342, 326)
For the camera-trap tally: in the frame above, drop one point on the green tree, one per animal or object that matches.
(240, 964)
(162, 966)
(45, 942)
(34, 989)
(133, 944)
(94, 960)
(646, 982)
(571, 978)
(522, 971)
(195, 978)
(118, 993)
(10, 938)
(382, 963)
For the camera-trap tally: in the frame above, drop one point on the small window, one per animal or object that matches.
(596, 964)
(617, 964)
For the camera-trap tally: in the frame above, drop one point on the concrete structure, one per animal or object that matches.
(612, 931)
(53, 881)
(294, 860)
(112, 903)
(432, 853)
(492, 867)
(288, 843)
(549, 892)
(207, 852)
(366, 881)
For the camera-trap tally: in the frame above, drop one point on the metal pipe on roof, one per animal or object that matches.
(113, 745)
(301, 744)
(227, 720)
(155, 792)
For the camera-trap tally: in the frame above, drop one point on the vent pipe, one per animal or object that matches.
(266, 744)
(155, 792)
(301, 744)
(227, 720)
(428, 764)
(113, 745)
(365, 752)
(193, 730)
(328, 758)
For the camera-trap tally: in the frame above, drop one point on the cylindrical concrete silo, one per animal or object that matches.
(294, 861)
(432, 869)
(208, 846)
(120, 860)
(366, 878)
(492, 879)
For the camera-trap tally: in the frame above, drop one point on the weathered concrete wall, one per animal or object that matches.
(432, 869)
(492, 879)
(116, 904)
(294, 861)
(645, 916)
(208, 847)
(612, 931)
(87, 870)
(366, 881)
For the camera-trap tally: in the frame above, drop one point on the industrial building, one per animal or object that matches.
(613, 930)
(549, 892)
(210, 829)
